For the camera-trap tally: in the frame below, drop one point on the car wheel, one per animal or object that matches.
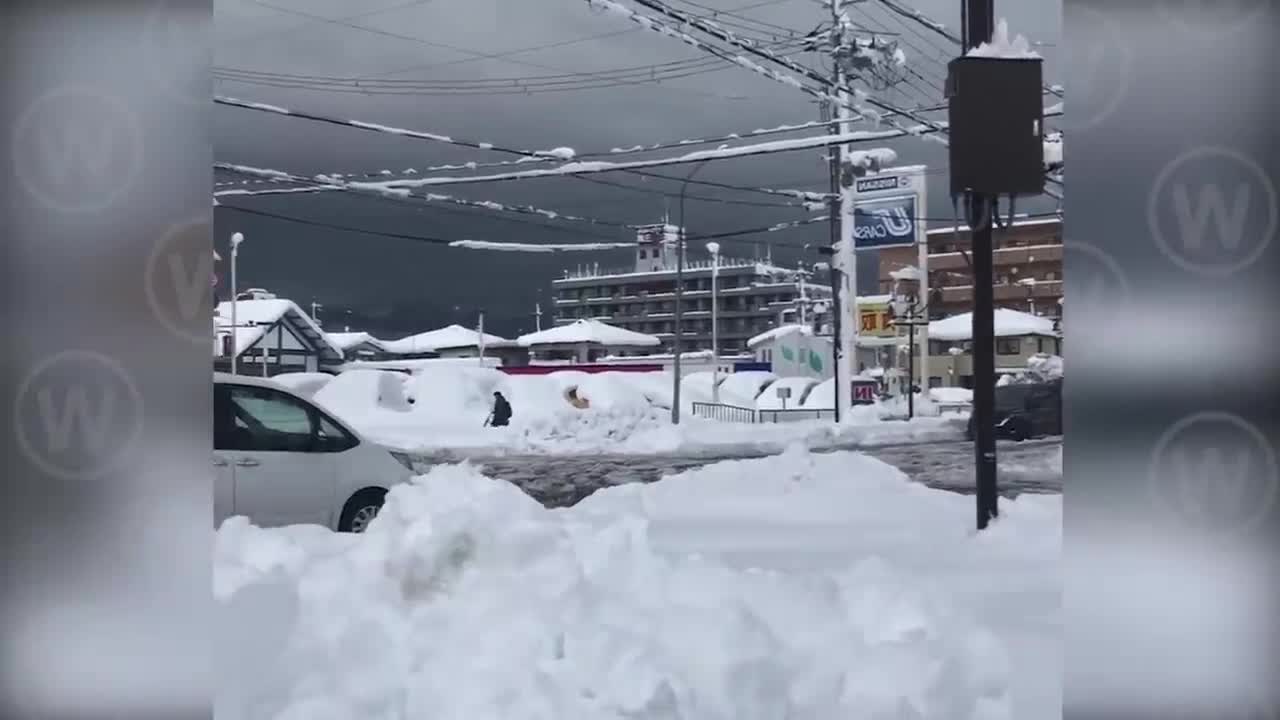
(360, 510)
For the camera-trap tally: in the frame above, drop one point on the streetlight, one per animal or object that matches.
(675, 339)
(236, 239)
(714, 249)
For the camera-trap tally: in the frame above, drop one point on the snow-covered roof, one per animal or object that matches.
(447, 338)
(778, 333)
(592, 332)
(253, 317)
(348, 340)
(1008, 323)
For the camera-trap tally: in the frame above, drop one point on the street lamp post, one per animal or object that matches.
(236, 239)
(679, 310)
(714, 249)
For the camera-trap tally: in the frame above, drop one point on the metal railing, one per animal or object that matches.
(724, 413)
(794, 415)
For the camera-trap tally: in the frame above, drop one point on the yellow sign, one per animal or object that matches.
(876, 320)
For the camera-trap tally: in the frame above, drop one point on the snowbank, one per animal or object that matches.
(1007, 323)
(798, 386)
(806, 587)
(304, 383)
(951, 395)
(742, 388)
(441, 412)
(358, 391)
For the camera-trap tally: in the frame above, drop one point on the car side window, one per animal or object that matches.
(266, 420)
(331, 437)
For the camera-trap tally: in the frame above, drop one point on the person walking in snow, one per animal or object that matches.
(501, 415)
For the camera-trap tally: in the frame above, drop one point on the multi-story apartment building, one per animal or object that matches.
(750, 294)
(1027, 268)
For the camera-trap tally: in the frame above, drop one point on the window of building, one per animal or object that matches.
(935, 381)
(1008, 346)
(1051, 275)
(643, 253)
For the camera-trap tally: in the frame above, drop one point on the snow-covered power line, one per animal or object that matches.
(559, 153)
(921, 18)
(323, 183)
(613, 152)
(723, 35)
(865, 158)
(819, 92)
(538, 248)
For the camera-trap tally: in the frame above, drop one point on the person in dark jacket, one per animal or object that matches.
(501, 415)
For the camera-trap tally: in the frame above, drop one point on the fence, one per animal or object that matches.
(735, 414)
(781, 416)
(724, 413)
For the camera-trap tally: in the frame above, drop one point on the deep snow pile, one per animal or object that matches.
(805, 587)
(443, 411)
(304, 383)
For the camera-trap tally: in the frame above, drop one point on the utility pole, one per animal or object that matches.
(480, 338)
(979, 25)
(846, 259)
(537, 317)
(833, 213)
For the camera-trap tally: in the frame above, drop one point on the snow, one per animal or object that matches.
(253, 317)
(864, 158)
(560, 153)
(452, 337)
(803, 586)
(1008, 323)
(348, 340)
(777, 334)
(1002, 46)
(951, 395)
(538, 247)
(1053, 151)
(592, 332)
(769, 400)
(625, 413)
(742, 388)
(353, 388)
(304, 383)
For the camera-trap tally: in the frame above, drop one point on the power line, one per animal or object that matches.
(527, 85)
(821, 91)
(327, 184)
(563, 153)
(616, 152)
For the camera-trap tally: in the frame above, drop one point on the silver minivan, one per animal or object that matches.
(282, 460)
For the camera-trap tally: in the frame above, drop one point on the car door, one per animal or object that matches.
(1042, 410)
(224, 470)
(281, 477)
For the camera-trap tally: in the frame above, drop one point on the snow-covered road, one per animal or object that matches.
(1026, 467)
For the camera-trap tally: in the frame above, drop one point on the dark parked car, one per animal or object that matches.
(1027, 410)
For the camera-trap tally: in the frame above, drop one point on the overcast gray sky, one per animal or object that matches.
(464, 41)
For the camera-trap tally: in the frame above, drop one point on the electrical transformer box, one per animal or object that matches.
(996, 125)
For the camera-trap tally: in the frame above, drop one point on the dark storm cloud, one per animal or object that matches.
(395, 286)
